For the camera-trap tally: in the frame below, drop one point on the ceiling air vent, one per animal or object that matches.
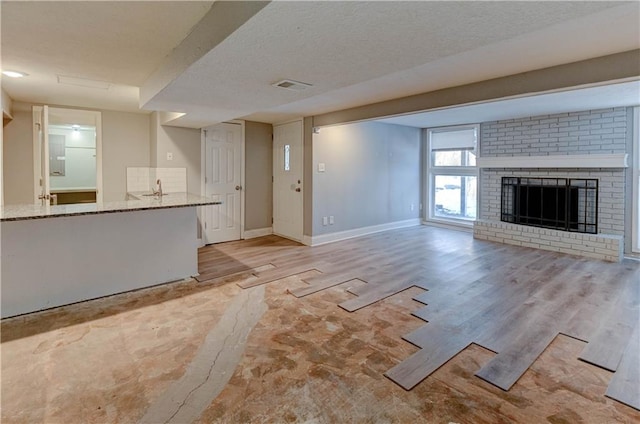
(292, 85)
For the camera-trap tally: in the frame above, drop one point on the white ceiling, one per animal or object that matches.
(120, 43)
(354, 53)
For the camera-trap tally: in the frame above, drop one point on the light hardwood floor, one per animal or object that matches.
(513, 301)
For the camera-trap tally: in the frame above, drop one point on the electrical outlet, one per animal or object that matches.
(169, 156)
(324, 220)
(412, 206)
(331, 221)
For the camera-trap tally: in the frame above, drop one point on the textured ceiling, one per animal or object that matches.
(353, 52)
(356, 53)
(121, 43)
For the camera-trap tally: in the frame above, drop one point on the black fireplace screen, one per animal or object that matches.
(567, 204)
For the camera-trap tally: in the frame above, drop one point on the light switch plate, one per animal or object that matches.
(321, 167)
(169, 156)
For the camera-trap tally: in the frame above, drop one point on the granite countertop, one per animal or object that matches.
(134, 202)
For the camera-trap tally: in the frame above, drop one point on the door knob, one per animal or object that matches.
(238, 187)
(298, 189)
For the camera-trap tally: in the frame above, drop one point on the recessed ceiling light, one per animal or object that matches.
(14, 74)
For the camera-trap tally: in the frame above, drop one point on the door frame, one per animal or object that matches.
(303, 238)
(36, 111)
(635, 194)
(203, 173)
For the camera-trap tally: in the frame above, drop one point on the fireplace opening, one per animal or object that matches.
(567, 204)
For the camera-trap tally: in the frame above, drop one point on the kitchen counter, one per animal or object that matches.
(136, 202)
(92, 250)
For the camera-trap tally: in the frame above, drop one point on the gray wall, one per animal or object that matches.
(258, 172)
(125, 143)
(18, 159)
(372, 175)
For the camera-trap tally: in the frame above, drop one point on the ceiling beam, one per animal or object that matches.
(224, 18)
(615, 67)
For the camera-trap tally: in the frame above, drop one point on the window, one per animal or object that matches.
(287, 153)
(452, 173)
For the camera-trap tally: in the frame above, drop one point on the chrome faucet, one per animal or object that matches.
(159, 192)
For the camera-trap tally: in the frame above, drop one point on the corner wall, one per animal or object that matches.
(258, 172)
(183, 144)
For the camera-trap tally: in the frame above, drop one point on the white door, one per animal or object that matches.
(223, 149)
(287, 180)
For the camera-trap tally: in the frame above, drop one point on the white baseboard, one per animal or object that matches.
(307, 240)
(358, 232)
(260, 232)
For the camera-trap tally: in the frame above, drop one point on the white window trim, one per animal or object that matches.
(449, 170)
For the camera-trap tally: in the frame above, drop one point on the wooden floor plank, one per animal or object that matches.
(324, 281)
(508, 366)
(588, 315)
(625, 384)
(424, 362)
(606, 346)
(378, 293)
(392, 273)
(280, 273)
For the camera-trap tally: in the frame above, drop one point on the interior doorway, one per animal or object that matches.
(67, 155)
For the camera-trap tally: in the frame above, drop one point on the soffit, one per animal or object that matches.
(584, 98)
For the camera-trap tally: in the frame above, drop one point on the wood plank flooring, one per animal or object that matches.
(513, 301)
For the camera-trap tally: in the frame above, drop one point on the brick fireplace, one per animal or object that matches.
(587, 145)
